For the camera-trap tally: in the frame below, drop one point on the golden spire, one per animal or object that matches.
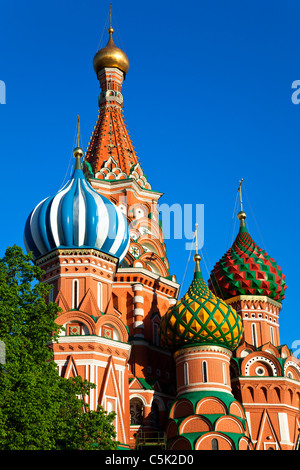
(241, 215)
(111, 55)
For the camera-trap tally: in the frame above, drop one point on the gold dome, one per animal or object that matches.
(111, 56)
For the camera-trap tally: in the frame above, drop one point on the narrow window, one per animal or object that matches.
(214, 444)
(75, 294)
(272, 335)
(186, 373)
(99, 296)
(224, 374)
(254, 337)
(204, 371)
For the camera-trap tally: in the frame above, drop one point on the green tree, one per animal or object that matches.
(39, 410)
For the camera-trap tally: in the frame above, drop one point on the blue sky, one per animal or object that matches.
(207, 102)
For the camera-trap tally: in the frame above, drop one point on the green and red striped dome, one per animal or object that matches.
(246, 269)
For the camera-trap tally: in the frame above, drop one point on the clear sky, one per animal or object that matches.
(207, 102)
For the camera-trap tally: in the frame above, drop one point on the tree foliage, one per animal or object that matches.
(39, 410)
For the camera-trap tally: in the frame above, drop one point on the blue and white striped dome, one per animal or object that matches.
(77, 217)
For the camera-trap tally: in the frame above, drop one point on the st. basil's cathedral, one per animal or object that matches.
(202, 372)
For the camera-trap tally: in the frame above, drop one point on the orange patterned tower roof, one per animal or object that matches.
(111, 154)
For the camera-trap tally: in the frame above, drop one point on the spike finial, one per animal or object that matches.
(241, 214)
(78, 152)
(78, 130)
(197, 257)
(240, 191)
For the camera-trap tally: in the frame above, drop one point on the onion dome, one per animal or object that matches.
(200, 318)
(77, 217)
(246, 269)
(111, 56)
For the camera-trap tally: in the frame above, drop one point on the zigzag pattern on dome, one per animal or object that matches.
(200, 318)
(246, 269)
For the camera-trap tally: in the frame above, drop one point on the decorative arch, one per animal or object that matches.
(236, 409)
(180, 443)
(152, 242)
(195, 424)
(171, 429)
(244, 350)
(151, 226)
(291, 395)
(275, 392)
(181, 408)
(152, 259)
(138, 397)
(141, 211)
(293, 367)
(271, 349)
(137, 406)
(210, 405)
(271, 362)
(75, 316)
(205, 442)
(116, 322)
(128, 260)
(159, 401)
(245, 444)
(262, 394)
(229, 424)
(248, 392)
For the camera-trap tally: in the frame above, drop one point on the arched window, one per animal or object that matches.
(204, 371)
(214, 444)
(136, 411)
(75, 294)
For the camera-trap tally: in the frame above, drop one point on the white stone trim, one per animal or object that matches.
(262, 359)
(138, 311)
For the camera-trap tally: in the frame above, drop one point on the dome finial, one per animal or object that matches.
(241, 215)
(78, 152)
(197, 257)
(110, 29)
(111, 56)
